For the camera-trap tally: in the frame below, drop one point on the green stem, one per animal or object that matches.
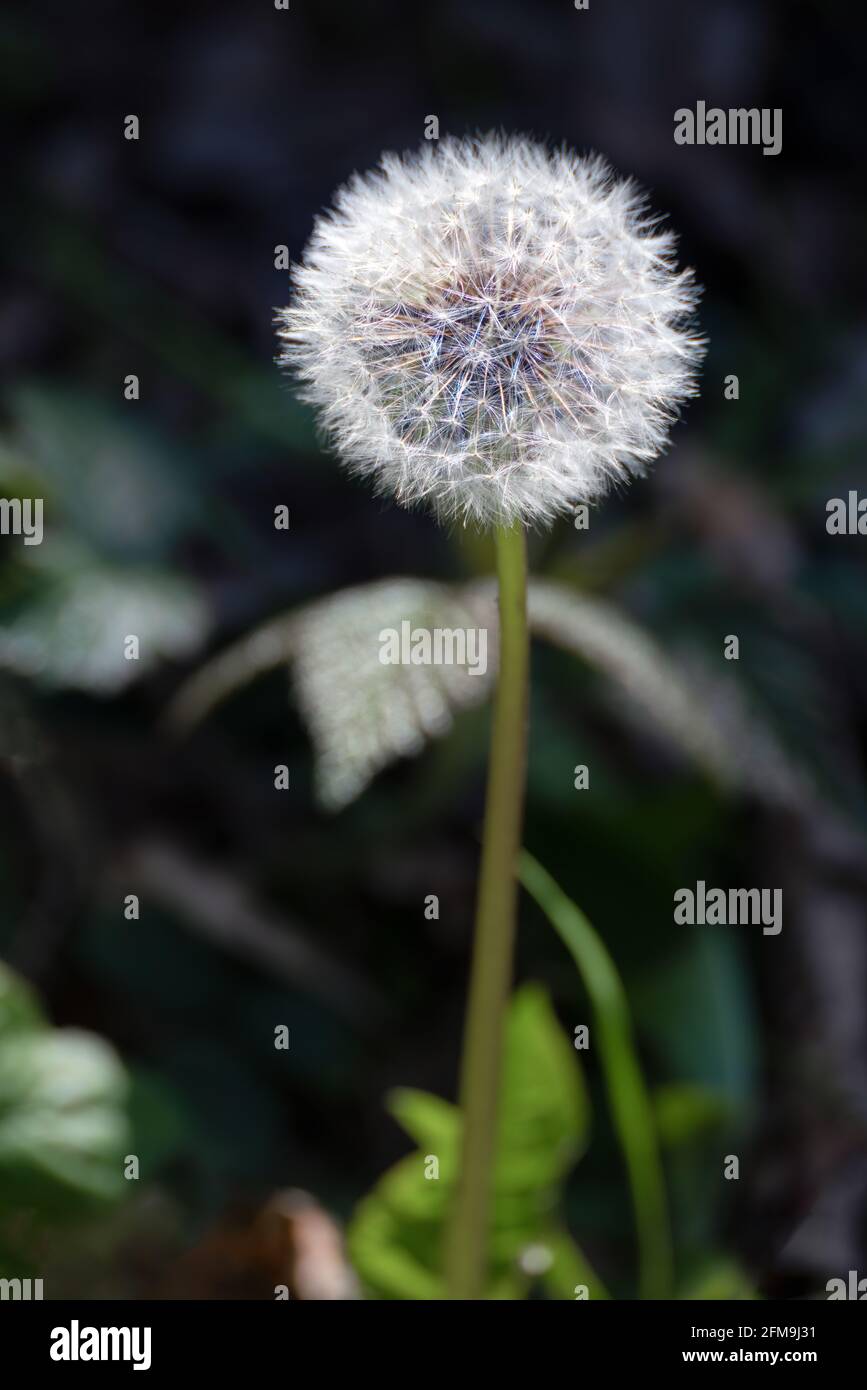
(631, 1106)
(496, 911)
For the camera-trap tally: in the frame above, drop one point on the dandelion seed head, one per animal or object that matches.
(492, 329)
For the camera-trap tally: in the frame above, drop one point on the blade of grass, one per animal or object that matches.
(630, 1103)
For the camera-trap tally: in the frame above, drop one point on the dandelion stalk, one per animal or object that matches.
(496, 911)
(495, 331)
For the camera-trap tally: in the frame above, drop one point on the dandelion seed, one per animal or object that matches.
(492, 329)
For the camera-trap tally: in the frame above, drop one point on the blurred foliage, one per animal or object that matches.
(113, 506)
(396, 1237)
(158, 259)
(63, 1122)
(363, 713)
(631, 1109)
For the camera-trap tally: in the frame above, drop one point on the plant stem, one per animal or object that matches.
(496, 911)
(631, 1105)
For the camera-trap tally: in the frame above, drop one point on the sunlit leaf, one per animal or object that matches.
(74, 633)
(396, 1236)
(63, 1127)
(434, 1124)
(363, 714)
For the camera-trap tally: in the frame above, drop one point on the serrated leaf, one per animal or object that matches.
(543, 1117)
(543, 1122)
(379, 1251)
(408, 1193)
(363, 714)
(433, 1123)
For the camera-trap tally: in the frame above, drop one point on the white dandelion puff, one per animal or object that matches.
(493, 329)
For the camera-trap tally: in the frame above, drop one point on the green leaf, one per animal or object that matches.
(363, 714)
(543, 1115)
(434, 1124)
(395, 1238)
(62, 1125)
(720, 1278)
(63, 1128)
(380, 1248)
(685, 1112)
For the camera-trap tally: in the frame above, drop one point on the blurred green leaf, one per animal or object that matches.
(431, 1122)
(72, 631)
(720, 1278)
(685, 1112)
(363, 714)
(544, 1115)
(63, 1128)
(396, 1234)
(392, 1252)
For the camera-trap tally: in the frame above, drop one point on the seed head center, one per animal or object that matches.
(476, 361)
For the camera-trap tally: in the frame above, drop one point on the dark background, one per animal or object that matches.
(156, 257)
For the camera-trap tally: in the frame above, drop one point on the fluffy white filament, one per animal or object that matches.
(493, 329)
